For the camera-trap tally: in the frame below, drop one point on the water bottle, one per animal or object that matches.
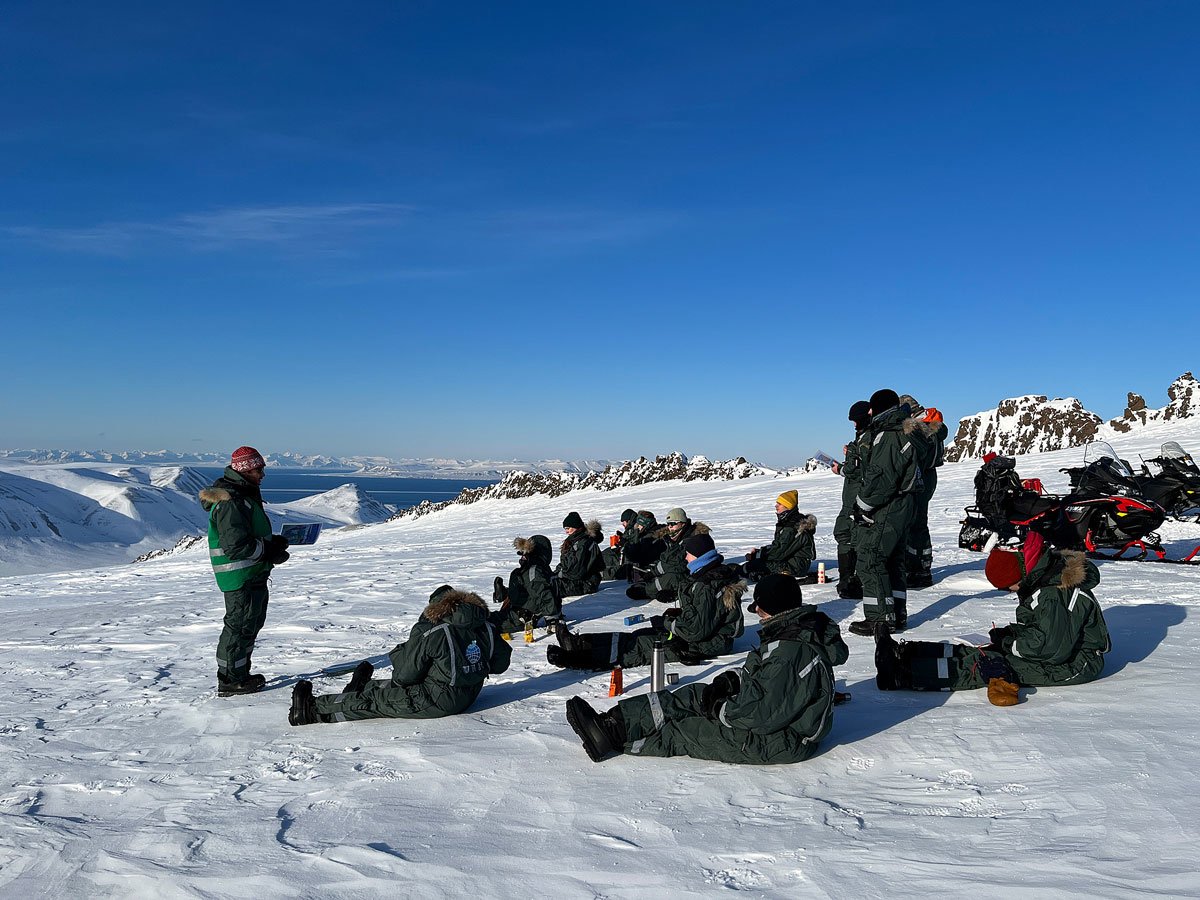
(820, 573)
(658, 666)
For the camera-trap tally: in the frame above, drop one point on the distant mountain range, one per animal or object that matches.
(431, 467)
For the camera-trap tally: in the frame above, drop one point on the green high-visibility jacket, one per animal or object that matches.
(237, 526)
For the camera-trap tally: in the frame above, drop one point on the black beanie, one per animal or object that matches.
(629, 515)
(573, 520)
(883, 399)
(860, 413)
(776, 594)
(439, 591)
(699, 544)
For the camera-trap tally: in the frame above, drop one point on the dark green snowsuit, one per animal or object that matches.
(668, 570)
(579, 562)
(615, 563)
(530, 594)
(792, 551)
(783, 707)
(1059, 638)
(710, 619)
(844, 527)
(238, 525)
(919, 545)
(891, 480)
(438, 671)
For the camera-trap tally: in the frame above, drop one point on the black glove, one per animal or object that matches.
(276, 557)
(862, 517)
(275, 542)
(666, 595)
(658, 623)
(637, 592)
(722, 687)
(499, 594)
(672, 613)
(997, 635)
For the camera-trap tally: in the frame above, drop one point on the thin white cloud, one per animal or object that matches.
(302, 226)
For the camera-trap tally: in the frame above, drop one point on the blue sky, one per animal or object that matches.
(585, 230)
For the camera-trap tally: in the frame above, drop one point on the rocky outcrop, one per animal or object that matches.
(1033, 423)
(1028, 424)
(1184, 394)
(671, 467)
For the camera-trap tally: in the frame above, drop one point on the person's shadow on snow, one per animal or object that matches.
(871, 711)
(938, 608)
(1136, 632)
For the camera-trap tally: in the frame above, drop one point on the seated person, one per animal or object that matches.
(774, 710)
(792, 551)
(438, 671)
(705, 624)
(615, 566)
(530, 595)
(579, 562)
(660, 558)
(1059, 638)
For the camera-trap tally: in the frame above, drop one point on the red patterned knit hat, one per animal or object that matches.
(247, 459)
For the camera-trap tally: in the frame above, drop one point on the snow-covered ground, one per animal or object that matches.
(124, 774)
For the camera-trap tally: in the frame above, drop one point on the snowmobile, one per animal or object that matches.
(1176, 485)
(1105, 510)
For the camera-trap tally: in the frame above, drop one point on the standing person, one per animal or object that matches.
(530, 595)
(883, 510)
(792, 551)
(849, 585)
(242, 551)
(614, 556)
(929, 427)
(1059, 638)
(664, 561)
(775, 709)
(438, 671)
(579, 562)
(705, 624)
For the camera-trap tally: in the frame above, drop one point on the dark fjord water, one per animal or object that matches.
(284, 485)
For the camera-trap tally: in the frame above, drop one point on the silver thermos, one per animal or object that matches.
(658, 666)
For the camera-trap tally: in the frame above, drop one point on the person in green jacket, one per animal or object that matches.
(849, 585)
(579, 562)
(792, 551)
(242, 551)
(530, 595)
(929, 427)
(704, 625)
(1059, 638)
(884, 507)
(661, 558)
(615, 566)
(438, 671)
(775, 709)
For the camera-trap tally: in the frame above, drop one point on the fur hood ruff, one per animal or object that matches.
(445, 605)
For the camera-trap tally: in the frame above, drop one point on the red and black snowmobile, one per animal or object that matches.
(1105, 514)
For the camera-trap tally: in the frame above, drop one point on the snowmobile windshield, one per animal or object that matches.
(1174, 451)
(1097, 451)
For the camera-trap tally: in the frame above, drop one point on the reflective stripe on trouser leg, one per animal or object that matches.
(656, 711)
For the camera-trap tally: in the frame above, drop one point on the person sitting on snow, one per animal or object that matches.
(1059, 638)
(775, 709)
(530, 595)
(792, 551)
(438, 671)
(705, 624)
(615, 566)
(579, 562)
(661, 558)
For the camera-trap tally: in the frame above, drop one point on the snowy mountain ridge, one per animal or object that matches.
(1033, 423)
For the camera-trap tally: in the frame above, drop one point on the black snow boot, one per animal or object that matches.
(304, 707)
(251, 684)
(569, 659)
(362, 674)
(565, 639)
(886, 661)
(602, 734)
(849, 588)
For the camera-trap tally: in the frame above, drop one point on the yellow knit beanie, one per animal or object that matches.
(788, 499)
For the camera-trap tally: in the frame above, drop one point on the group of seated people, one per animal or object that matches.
(779, 705)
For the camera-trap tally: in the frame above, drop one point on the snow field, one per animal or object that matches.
(126, 776)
